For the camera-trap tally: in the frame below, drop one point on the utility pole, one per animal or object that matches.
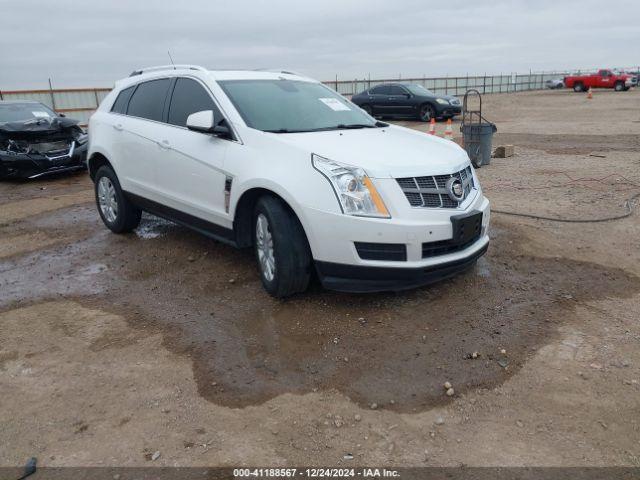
(53, 100)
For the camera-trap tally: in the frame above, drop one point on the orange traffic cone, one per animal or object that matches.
(432, 126)
(589, 94)
(448, 132)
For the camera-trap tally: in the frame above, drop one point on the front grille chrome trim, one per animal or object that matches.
(431, 192)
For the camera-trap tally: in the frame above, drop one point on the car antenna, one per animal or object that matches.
(174, 65)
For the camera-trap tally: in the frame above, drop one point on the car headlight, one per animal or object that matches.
(354, 189)
(442, 101)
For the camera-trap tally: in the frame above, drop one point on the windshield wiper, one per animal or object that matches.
(340, 126)
(285, 130)
(353, 126)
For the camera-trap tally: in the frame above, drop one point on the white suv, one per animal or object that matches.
(282, 163)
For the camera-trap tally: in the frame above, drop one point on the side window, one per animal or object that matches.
(189, 97)
(120, 105)
(380, 90)
(148, 99)
(396, 90)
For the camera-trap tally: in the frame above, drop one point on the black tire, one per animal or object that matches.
(619, 86)
(126, 216)
(578, 87)
(367, 108)
(290, 249)
(426, 112)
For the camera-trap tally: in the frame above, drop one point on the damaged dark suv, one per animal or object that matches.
(35, 141)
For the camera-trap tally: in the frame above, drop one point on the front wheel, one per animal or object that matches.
(281, 248)
(115, 209)
(427, 112)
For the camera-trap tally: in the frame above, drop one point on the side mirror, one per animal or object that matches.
(204, 122)
(201, 121)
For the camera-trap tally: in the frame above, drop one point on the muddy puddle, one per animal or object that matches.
(394, 350)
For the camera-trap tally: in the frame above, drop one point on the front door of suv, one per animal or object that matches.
(190, 168)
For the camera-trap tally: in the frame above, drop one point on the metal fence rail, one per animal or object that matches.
(80, 103)
(456, 85)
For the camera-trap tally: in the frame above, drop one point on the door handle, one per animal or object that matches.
(165, 144)
(118, 126)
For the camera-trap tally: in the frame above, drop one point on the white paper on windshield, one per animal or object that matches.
(40, 114)
(334, 104)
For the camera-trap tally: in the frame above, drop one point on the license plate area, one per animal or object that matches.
(466, 227)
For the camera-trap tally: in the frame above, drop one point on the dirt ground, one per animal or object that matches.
(161, 347)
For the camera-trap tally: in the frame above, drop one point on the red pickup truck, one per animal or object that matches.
(601, 79)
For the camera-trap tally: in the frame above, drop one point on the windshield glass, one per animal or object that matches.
(18, 112)
(420, 90)
(289, 106)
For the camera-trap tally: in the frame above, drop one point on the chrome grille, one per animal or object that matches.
(51, 148)
(431, 191)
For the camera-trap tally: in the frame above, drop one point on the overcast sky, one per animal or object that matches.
(95, 42)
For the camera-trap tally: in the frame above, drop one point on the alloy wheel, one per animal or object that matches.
(425, 113)
(264, 244)
(107, 199)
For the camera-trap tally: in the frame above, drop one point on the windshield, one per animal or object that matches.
(420, 90)
(19, 112)
(290, 106)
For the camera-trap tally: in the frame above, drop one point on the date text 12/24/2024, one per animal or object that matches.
(317, 472)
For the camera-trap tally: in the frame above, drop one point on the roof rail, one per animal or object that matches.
(167, 67)
(278, 70)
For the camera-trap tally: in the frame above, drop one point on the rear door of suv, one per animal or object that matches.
(139, 133)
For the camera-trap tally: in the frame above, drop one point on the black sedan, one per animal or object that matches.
(35, 141)
(407, 100)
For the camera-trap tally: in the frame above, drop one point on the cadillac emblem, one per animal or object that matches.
(455, 189)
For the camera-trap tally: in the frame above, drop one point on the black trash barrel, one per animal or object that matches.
(478, 138)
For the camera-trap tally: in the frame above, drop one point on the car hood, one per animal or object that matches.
(383, 152)
(37, 127)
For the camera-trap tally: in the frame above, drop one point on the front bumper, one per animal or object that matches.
(333, 237)
(448, 110)
(360, 279)
(22, 165)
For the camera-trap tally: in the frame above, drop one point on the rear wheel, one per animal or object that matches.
(578, 87)
(618, 87)
(281, 248)
(427, 112)
(116, 211)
